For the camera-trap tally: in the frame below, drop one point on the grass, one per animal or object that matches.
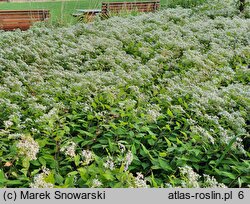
(61, 10)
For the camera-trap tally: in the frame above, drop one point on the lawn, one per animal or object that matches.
(61, 10)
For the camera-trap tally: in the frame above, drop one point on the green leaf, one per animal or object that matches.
(94, 105)
(133, 149)
(178, 141)
(168, 127)
(168, 142)
(77, 159)
(178, 125)
(42, 161)
(50, 178)
(121, 168)
(86, 133)
(164, 164)
(35, 162)
(69, 181)
(162, 154)
(145, 152)
(185, 135)
(155, 167)
(59, 179)
(90, 117)
(26, 164)
(154, 183)
(143, 164)
(83, 173)
(50, 160)
(42, 142)
(2, 177)
(151, 142)
(14, 182)
(36, 171)
(97, 146)
(228, 174)
(169, 112)
(108, 176)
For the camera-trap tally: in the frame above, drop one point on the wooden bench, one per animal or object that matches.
(22, 19)
(116, 7)
(80, 12)
(86, 14)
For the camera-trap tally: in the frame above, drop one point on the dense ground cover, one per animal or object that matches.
(155, 100)
(61, 11)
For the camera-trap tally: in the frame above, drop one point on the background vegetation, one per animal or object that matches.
(154, 100)
(61, 11)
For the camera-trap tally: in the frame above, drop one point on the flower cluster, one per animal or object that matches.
(96, 183)
(8, 124)
(88, 156)
(139, 181)
(128, 160)
(122, 147)
(40, 180)
(153, 112)
(109, 164)
(69, 149)
(192, 178)
(202, 132)
(28, 147)
(211, 182)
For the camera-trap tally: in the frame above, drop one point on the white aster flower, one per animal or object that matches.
(88, 156)
(211, 182)
(28, 147)
(8, 124)
(128, 160)
(121, 147)
(139, 181)
(96, 183)
(69, 149)
(109, 164)
(39, 180)
(153, 112)
(191, 177)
